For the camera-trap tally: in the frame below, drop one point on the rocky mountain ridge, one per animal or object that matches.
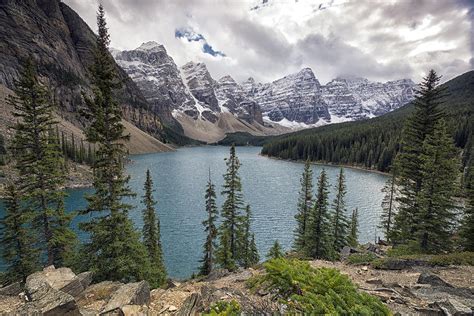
(296, 100)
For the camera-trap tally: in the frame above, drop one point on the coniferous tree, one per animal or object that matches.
(467, 228)
(410, 178)
(247, 247)
(305, 202)
(151, 235)
(17, 250)
(40, 166)
(232, 218)
(275, 251)
(439, 170)
(353, 239)
(340, 223)
(210, 229)
(388, 206)
(114, 251)
(319, 243)
(223, 254)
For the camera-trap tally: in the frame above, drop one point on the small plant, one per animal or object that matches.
(224, 308)
(320, 291)
(361, 258)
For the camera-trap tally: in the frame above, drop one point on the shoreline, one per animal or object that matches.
(329, 164)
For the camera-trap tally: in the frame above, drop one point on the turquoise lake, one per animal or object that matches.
(270, 186)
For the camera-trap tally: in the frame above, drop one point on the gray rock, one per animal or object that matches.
(432, 279)
(453, 307)
(129, 294)
(85, 278)
(13, 289)
(191, 305)
(217, 274)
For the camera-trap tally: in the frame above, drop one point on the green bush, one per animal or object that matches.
(225, 308)
(361, 258)
(318, 291)
(457, 258)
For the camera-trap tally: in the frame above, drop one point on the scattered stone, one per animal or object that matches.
(129, 294)
(217, 274)
(453, 307)
(134, 310)
(172, 284)
(432, 279)
(347, 251)
(172, 308)
(365, 268)
(374, 281)
(13, 289)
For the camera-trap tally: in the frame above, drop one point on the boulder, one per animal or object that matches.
(453, 307)
(432, 279)
(129, 294)
(191, 305)
(13, 289)
(346, 251)
(217, 274)
(134, 310)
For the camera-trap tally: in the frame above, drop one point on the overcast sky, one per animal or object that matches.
(380, 40)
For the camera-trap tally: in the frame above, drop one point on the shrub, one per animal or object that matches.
(456, 258)
(361, 258)
(225, 308)
(319, 291)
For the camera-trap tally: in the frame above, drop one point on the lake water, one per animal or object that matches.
(270, 186)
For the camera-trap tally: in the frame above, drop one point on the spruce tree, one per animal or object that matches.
(151, 235)
(232, 218)
(210, 228)
(319, 243)
(17, 239)
(388, 206)
(275, 251)
(340, 223)
(439, 169)
(114, 250)
(39, 163)
(305, 202)
(353, 239)
(467, 228)
(410, 178)
(248, 254)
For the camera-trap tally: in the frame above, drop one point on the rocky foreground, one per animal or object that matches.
(415, 290)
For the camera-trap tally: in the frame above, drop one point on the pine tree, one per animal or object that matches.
(353, 239)
(305, 202)
(248, 254)
(467, 228)
(439, 169)
(210, 229)
(388, 206)
(232, 218)
(114, 251)
(17, 239)
(410, 179)
(40, 166)
(151, 235)
(319, 243)
(223, 254)
(275, 251)
(340, 223)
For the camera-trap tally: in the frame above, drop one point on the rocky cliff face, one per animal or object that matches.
(62, 45)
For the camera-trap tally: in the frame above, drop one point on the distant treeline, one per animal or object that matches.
(374, 143)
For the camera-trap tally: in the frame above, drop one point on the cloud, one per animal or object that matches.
(192, 36)
(378, 39)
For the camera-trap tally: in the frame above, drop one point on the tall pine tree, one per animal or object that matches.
(39, 163)
(319, 243)
(410, 178)
(151, 235)
(305, 202)
(340, 223)
(439, 168)
(388, 206)
(467, 228)
(232, 218)
(17, 252)
(210, 228)
(353, 239)
(248, 254)
(114, 250)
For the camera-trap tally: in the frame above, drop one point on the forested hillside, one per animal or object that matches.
(373, 143)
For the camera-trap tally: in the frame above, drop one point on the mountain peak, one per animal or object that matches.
(151, 46)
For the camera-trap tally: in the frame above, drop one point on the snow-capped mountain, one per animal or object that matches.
(297, 100)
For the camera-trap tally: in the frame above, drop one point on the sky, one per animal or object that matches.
(267, 39)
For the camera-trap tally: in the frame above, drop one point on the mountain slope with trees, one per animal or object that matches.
(373, 143)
